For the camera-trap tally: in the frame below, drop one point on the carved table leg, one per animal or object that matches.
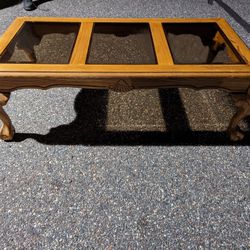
(7, 130)
(243, 111)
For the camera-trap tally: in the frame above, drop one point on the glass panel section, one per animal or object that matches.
(42, 43)
(199, 43)
(121, 43)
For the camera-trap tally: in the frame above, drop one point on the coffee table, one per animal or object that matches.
(122, 55)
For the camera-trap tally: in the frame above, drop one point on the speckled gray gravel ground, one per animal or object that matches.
(65, 188)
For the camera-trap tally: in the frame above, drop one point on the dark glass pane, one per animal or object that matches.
(42, 43)
(199, 43)
(121, 43)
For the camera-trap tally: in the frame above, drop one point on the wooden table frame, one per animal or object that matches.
(234, 78)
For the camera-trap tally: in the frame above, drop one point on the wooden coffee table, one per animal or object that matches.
(122, 55)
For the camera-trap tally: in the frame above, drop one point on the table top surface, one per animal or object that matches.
(119, 45)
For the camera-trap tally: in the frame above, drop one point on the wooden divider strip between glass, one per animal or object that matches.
(80, 50)
(161, 46)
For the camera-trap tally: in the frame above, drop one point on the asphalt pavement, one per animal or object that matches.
(148, 169)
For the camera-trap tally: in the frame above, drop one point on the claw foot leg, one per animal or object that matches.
(7, 130)
(243, 111)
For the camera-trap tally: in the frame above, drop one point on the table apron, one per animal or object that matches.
(233, 84)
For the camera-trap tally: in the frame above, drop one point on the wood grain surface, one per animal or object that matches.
(234, 77)
(231, 77)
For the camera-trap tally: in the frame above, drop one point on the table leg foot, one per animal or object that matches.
(7, 130)
(243, 106)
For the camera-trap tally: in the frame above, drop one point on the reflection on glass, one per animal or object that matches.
(42, 43)
(199, 43)
(121, 43)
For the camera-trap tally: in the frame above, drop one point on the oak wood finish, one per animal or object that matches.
(243, 106)
(161, 46)
(7, 129)
(80, 52)
(234, 78)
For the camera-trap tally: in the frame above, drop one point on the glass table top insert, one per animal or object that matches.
(121, 43)
(42, 43)
(199, 43)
